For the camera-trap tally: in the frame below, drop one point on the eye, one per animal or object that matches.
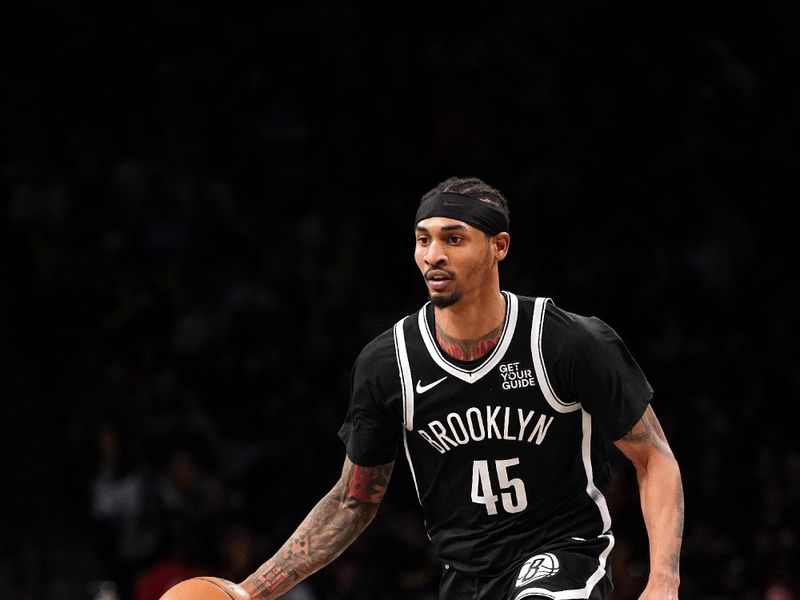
(455, 239)
(422, 240)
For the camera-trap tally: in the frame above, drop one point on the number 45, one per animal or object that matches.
(482, 491)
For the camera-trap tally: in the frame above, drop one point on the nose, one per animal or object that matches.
(435, 254)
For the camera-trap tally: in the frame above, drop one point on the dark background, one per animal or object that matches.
(207, 212)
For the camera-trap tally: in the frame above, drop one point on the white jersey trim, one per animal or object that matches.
(411, 468)
(538, 360)
(404, 368)
(472, 375)
(586, 453)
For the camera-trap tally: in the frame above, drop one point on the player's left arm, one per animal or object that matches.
(661, 493)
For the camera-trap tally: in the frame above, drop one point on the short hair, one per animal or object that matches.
(474, 188)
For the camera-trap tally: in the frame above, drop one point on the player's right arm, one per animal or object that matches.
(331, 526)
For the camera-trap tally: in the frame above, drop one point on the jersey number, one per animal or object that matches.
(483, 491)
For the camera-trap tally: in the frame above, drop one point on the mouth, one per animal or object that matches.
(438, 279)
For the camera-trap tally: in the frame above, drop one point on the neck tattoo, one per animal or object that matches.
(469, 349)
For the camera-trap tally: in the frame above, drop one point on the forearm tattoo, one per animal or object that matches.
(331, 526)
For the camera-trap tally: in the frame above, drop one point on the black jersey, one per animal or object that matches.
(508, 453)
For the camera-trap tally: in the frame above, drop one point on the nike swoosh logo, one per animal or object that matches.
(421, 389)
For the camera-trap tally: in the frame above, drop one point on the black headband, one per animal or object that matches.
(464, 208)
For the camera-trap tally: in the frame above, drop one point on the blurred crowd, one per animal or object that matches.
(205, 218)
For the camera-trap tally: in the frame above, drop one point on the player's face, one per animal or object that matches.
(454, 258)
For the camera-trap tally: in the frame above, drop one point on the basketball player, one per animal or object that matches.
(505, 407)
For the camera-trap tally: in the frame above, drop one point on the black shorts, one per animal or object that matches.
(571, 569)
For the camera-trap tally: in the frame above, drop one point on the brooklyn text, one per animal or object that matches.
(476, 425)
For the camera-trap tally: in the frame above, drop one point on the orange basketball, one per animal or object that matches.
(206, 588)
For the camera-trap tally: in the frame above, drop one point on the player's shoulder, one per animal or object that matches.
(566, 329)
(380, 350)
(380, 345)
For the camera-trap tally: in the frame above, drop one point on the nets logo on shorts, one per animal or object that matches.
(537, 567)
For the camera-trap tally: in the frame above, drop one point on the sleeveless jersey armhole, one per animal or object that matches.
(537, 328)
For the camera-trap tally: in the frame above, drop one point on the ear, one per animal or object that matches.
(500, 243)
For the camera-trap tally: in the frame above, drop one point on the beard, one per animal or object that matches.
(442, 301)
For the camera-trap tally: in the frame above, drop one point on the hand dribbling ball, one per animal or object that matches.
(206, 588)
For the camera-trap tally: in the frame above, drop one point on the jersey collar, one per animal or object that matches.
(494, 357)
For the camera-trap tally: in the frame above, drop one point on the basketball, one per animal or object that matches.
(205, 588)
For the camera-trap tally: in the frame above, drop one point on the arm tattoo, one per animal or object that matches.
(675, 557)
(366, 484)
(270, 579)
(469, 349)
(646, 440)
(331, 526)
(648, 431)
